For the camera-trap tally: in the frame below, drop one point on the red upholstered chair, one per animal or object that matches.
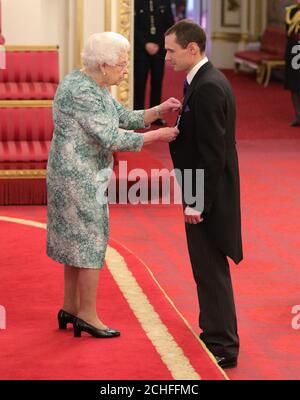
(30, 74)
(268, 55)
(27, 88)
(25, 134)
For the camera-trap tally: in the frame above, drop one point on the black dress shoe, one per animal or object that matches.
(160, 122)
(80, 325)
(295, 123)
(226, 362)
(64, 318)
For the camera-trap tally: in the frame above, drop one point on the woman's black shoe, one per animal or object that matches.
(81, 326)
(64, 318)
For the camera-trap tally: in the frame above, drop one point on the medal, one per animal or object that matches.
(152, 20)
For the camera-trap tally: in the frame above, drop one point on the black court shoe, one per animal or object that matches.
(64, 318)
(81, 326)
(226, 362)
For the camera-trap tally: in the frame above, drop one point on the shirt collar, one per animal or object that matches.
(195, 69)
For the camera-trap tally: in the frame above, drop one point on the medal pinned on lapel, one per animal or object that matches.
(178, 120)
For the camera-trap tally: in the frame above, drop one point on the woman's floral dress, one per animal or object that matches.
(86, 133)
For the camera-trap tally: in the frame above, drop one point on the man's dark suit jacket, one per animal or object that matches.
(207, 141)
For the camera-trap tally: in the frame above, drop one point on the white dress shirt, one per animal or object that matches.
(195, 69)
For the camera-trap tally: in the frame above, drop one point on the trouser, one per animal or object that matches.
(211, 271)
(296, 104)
(142, 66)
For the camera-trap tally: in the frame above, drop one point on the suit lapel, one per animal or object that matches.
(195, 80)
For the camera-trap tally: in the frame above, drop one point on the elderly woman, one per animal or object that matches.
(86, 133)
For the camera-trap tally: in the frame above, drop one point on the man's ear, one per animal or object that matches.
(193, 48)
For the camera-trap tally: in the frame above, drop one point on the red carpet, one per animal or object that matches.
(32, 347)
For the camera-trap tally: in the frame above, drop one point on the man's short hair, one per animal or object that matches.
(188, 31)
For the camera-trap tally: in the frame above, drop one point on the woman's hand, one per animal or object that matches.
(156, 112)
(162, 135)
(170, 105)
(167, 134)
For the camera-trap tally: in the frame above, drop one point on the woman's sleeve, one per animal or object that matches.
(130, 119)
(89, 112)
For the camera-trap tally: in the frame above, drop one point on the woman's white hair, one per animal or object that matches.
(104, 48)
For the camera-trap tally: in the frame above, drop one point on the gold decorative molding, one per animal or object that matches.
(31, 47)
(23, 174)
(233, 37)
(79, 32)
(26, 103)
(226, 36)
(124, 28)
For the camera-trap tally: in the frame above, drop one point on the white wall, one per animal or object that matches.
(94, 17)
(35, 22)
(50, 22)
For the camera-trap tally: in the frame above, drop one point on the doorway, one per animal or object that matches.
(197, 10)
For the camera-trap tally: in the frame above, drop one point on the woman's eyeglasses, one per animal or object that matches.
(122, 66)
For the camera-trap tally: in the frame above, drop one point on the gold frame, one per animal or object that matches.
(124, 27)
(224, 24)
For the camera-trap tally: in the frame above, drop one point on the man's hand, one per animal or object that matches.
(192, 216)
(152, 48)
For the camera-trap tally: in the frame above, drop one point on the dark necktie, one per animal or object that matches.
(185, 86)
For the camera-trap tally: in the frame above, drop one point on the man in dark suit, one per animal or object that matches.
(152, 19)
(207, 142)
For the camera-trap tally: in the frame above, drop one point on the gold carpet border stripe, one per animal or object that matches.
(24, 222)
(171, 354)
(176, 309)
